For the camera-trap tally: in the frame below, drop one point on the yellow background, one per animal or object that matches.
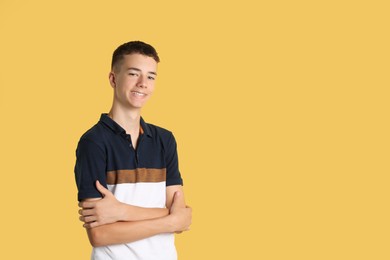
(280, 110)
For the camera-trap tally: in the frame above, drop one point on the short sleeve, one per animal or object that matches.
(90, 166)
(172, 163)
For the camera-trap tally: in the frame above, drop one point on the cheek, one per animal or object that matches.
(121, 89)
(124, 85)
(151, 88)
(125, 81)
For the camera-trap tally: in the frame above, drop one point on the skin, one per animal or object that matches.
(97, 212)
(107, 220)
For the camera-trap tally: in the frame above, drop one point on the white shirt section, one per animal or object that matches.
(142, 194)
(159, 247)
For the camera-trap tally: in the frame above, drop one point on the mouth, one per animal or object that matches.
(138, 94)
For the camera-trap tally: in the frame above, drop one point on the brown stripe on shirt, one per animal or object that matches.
(136, 175)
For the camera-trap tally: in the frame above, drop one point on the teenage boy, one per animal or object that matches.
(129, 185)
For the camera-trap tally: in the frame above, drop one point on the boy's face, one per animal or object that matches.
(133, 80)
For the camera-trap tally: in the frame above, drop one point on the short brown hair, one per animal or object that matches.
(133, 47)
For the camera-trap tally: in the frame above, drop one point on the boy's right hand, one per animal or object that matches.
(101, 211)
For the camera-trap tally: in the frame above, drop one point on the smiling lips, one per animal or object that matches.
(138, 94)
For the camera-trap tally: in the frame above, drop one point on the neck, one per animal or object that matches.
(127, 119)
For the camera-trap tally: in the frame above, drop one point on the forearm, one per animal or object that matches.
(127, 232)
(97, 212)
(178, 220)
(134, 213)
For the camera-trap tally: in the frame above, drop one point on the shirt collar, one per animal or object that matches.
(145, 127)
(114, 126)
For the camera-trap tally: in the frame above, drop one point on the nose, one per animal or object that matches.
(142, 83)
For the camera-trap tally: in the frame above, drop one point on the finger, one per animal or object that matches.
(178, 199)
(87, 204)
(88, 219)
(90, 225)
(87, 225)
(102, 189)
(86, 212)
(82, 219)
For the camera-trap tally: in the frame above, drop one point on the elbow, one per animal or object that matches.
(95, 237)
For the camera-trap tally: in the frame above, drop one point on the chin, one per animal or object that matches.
(136, 106)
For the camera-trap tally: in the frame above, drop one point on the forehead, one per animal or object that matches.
(139, 61)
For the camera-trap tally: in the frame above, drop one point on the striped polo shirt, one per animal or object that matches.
(135, 176)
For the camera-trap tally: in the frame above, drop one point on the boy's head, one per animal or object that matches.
(130, 48)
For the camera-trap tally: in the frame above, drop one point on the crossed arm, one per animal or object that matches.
(109, 221)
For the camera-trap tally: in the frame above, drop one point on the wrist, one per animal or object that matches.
(170, 223)
(124, 212)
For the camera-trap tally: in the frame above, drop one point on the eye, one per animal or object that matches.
(133, 74)
(151, 78)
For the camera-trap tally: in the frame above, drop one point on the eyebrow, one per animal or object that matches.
(137, 69)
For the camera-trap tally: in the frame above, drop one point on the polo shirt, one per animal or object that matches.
(135, 176)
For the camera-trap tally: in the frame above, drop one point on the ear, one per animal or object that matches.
(111, 77)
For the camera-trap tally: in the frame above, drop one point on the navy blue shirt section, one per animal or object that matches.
(106, 147)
